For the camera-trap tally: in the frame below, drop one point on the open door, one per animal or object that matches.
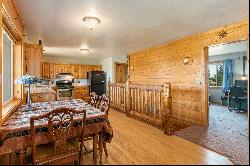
(120, 72)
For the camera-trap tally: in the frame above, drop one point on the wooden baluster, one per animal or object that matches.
(159, 104)
(150, 103)
(112, 95)
(140, 100)
(143, 94)
(154, 103)
(116, 96)
(146, 102)
(116, 93)
(119, 96)
(128, 99)
(133, 99)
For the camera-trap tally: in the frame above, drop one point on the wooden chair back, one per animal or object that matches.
(59, 123)
(93, 99)
(104, 103)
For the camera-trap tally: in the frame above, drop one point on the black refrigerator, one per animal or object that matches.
(96, 82)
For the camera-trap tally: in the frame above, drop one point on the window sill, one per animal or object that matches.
(215, 87)
(9, 108)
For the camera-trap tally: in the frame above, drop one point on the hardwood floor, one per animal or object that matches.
(137, 143)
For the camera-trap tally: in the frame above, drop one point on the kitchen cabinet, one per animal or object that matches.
(75, 70)
(52, 70)
(33, 59)
(43, 97)
(83, 71)
(67, 69)
(45, 70)
(78, 71)
(97, 68)
(81, 92)
(59, 68)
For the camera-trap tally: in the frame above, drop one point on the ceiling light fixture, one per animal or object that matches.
(84, 50)
(91, 21)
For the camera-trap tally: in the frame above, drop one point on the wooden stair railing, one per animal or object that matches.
(150, 104)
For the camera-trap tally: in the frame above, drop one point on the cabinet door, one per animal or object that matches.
(90, 68)
(84, 71)
(33, 54)
(98, 68)
(75, 71)
(52, 70)
(45, 70)
(59, 68)
(26, 61)
(67, 68)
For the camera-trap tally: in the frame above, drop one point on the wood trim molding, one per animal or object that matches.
(9, 108)
(12, 19)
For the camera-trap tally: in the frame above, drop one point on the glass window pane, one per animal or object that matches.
(212, 74)
(6, 69)
(219, 75)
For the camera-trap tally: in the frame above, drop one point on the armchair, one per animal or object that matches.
(237, 99)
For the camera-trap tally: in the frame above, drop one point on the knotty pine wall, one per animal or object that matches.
(164, 63)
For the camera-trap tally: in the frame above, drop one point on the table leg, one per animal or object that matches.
(95, 139)
(101, 146)
(21, 155)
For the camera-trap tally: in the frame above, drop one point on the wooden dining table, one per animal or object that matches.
(15, 133)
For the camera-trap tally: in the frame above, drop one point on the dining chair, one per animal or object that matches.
(94, 98)
(103, 103)
(103, 106)
(59, 124)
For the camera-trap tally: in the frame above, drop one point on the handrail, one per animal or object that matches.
(149, 103)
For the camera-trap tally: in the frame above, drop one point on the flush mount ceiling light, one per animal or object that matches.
(91, 21)
(84, 50)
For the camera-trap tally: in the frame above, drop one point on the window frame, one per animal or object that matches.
(217, 63)
(12, 68)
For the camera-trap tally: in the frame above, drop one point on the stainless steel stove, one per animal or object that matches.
(64, 84)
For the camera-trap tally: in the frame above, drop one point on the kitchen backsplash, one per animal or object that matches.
(80, 82)
(76, 82)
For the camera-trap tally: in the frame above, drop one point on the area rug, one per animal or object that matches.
(227, 134)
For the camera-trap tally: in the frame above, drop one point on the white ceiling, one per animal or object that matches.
(126, 25)
(228, 48)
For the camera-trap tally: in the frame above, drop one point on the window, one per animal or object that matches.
(7, 65)
(215, 74)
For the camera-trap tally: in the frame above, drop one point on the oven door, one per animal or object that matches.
(63, 94)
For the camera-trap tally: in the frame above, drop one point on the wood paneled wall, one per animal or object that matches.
(164, 63)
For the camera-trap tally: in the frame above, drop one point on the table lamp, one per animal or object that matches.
(28, 80)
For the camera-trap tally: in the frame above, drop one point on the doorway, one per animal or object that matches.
(120, 72)
(227, 84)
(228, 76)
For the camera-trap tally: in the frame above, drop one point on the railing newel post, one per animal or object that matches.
(166, 116)
(127, 99)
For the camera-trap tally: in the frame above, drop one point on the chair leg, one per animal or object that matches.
(85, 147)
(95, 149)
(105, 148)
(101, 146)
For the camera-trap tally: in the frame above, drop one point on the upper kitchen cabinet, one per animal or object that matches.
(52, 73)
(49, 70)
(76, 70)
(33, 59)
(46, 70)
(94, 68)
(83, 71)
(59, 68)
(67, 69)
